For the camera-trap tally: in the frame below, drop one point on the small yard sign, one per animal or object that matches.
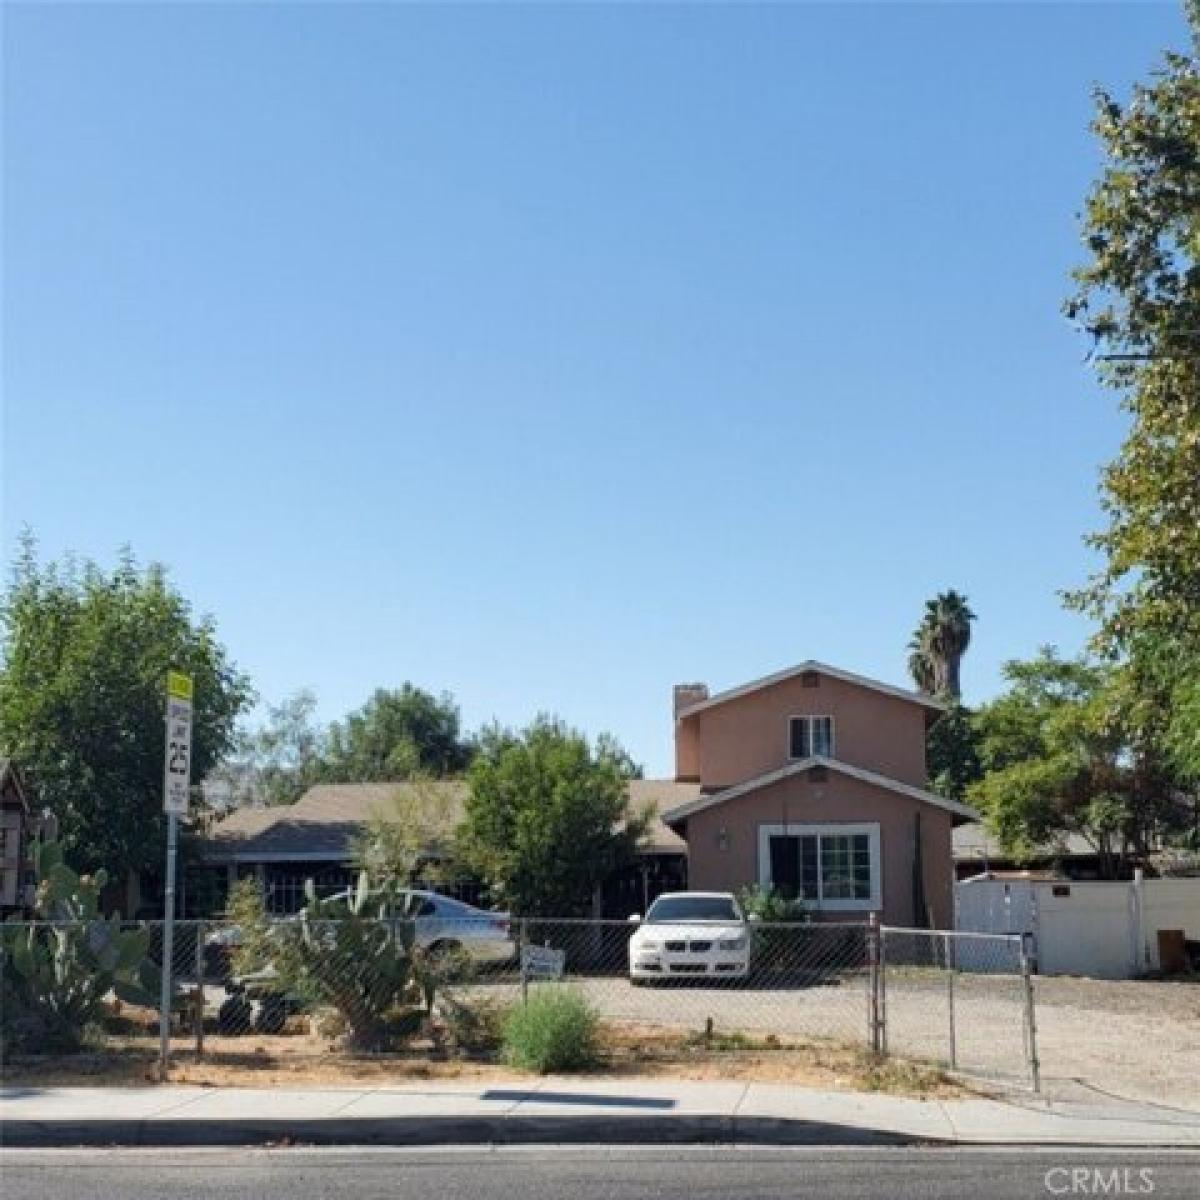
(543, 962)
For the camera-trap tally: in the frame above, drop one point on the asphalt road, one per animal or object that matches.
(596, 1173)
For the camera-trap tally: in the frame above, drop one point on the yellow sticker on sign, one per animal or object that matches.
(179, 686)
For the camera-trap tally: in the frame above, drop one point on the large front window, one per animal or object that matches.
(827, 866)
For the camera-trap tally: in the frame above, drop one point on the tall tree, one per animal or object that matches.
(85, 654)
(939, 643)
(548, 817)
(276, 762)
(1138, 297)
(397, 735)
(1055, 763)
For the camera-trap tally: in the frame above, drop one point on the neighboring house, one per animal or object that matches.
(20, 825)
(314, 839)
(813, 781)
(977, 852)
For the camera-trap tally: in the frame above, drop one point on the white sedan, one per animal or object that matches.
(444, 928)
(697, 935)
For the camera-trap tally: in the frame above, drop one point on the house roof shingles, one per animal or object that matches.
(324, 822)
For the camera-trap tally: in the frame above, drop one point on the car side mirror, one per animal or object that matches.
(635, 917)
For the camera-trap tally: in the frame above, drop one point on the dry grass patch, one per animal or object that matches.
(626, 1050)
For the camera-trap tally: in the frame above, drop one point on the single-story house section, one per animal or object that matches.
(978, 852)
(315, 838)
(812, 781)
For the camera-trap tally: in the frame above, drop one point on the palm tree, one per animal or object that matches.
(937, 647)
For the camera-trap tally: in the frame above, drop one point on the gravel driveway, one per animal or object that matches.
(1131, 1039)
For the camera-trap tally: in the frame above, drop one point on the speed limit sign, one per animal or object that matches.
(179, 744)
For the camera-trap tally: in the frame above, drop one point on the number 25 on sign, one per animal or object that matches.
(179, 744)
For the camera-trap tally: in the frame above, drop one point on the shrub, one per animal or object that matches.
(775, 947)
(475, 1025)
(769, 905)
(555, 1030)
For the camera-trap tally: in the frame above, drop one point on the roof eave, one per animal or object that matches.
(961, 813)
(930, 703)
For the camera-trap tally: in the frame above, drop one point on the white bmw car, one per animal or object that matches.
(699, 935)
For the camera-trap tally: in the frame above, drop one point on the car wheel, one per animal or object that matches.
(272, 1013)
(235, 1016)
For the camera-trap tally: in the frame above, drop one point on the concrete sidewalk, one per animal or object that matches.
(566, 1110)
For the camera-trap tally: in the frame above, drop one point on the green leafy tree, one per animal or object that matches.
(277, 762)
(1056, 762)
(952, 753)
(1138, 298)
(397, 735)
(85, 655)
(548, 817)
(413, 835)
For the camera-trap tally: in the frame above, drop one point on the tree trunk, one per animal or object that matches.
(953, 682)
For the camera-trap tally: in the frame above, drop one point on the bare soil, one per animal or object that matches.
(298, 1059)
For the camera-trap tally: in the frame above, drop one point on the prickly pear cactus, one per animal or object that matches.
(57, 970)
(355, 961)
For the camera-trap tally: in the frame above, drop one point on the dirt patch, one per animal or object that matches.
(297, 1061)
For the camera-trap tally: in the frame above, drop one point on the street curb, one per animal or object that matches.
(462, 1131)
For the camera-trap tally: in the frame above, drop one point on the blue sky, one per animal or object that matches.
(554, 354)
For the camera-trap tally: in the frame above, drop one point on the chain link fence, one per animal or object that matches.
(305, 987)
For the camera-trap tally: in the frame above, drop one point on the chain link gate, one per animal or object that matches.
(964, 1000)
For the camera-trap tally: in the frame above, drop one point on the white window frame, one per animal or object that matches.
(810, 718)
(819, 829)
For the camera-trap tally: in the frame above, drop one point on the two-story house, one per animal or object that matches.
(813, 781)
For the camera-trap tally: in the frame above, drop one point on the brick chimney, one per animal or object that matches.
(687, 694)
(687, 744)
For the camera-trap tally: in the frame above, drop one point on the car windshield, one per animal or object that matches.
(694, 908)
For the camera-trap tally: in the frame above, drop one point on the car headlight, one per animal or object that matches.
(737, 943)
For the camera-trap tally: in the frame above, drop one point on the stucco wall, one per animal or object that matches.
(748, 737)
(723, 840)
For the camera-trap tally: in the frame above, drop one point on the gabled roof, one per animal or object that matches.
(806, 764)
(820, 668)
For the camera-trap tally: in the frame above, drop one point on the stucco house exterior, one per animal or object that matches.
(812, 780)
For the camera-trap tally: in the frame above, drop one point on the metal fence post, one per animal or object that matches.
(950, 968)
(1035, 1067)
(522, 942)
(873, 984)
(199, 998)
(882, 1002)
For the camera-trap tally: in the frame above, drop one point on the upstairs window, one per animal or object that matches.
(810, 736)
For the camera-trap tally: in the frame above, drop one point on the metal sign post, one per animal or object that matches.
(177, 778)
